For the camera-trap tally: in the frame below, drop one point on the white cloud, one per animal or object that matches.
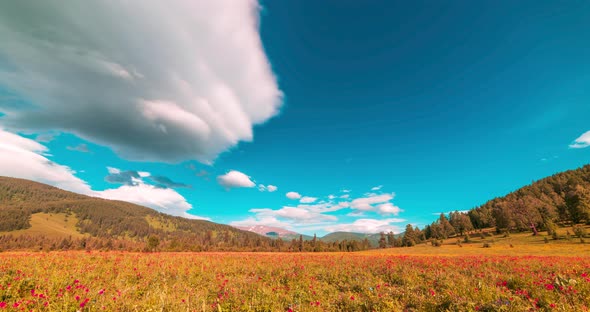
(366, 203)
(345, 196)
(270, 188)
(112, 170)
(293, 195)
(582, 142)
(368, 226)
(388, 208)
(330, 197)
(345, 191)
(297, 215)
(376, 188)
(234, 179)
(378, 203)
(186, 79)
(307, 199)
(165, 200)
(23, 158)
(267, 221)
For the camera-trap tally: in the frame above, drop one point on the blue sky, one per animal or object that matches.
(378, 113)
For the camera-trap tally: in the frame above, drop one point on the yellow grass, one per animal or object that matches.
(50, 225)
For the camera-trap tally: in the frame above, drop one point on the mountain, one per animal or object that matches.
(350, 236)
(39, 216)
(269, 231)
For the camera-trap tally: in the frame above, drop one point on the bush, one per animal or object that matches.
(467, 239)
(579, 230)
(487, 245)
(546, 240)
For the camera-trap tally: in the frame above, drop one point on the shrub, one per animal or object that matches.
(467, 239)
(487, 245)
(579, 230)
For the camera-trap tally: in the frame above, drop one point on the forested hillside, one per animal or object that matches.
(561, 199)
(108, 224)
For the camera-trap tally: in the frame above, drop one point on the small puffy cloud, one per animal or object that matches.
(376, 188)
(330, 197)
(234, 179)
(45, 137)
(196, 93)
(582, 142)
(82, 148)
(269, 188)
(128, 177)
(307, 199)
(345, 196)
(293, 195)
(345, 191)
(388, 209)
(165, 182)
(368, 226)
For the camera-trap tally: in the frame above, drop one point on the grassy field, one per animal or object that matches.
(534, 276)
(50, 225)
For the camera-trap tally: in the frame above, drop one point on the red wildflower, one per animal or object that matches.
(549, 286)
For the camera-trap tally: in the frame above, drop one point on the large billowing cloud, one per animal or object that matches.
(24, 158)
(582, 142)
(165, 81)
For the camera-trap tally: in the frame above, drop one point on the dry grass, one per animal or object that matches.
(55, 225)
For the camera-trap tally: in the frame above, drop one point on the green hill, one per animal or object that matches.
(39, 216)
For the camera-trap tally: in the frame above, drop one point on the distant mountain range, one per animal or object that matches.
(269, 231)
(276, 232)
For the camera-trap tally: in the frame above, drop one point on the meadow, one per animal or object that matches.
(421, 278)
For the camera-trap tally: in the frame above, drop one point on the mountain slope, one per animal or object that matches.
(562, 197)
(350, 236)
(33, 210)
